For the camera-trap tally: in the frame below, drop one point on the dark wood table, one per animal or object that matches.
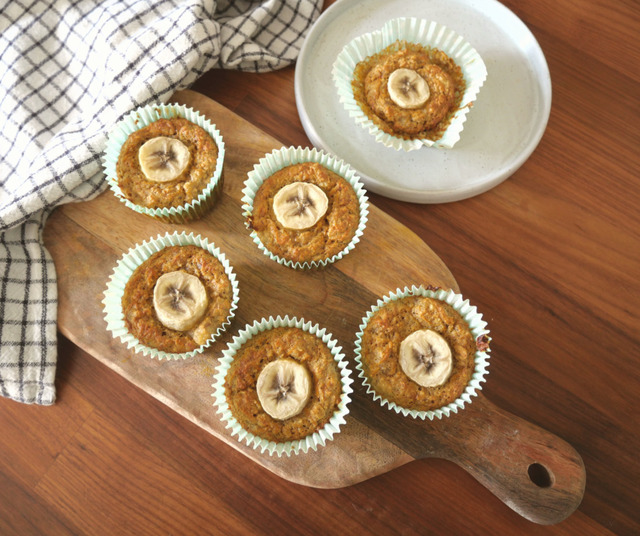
(551, 257)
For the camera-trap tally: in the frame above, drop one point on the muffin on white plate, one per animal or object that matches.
(410, 84)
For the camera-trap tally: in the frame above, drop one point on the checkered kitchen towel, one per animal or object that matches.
(69, 70)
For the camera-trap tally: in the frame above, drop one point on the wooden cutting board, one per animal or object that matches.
(534, 472)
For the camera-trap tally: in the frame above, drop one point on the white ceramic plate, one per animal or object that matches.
(501, 131)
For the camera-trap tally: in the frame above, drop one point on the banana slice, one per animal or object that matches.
(180, 300)
(426, 358)
(284, 388)
(163, 159)
(300, 205)
(408, 89)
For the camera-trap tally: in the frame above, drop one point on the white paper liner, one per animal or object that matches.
(478, 328)
(286, 156)
(313, 441)
(419, 31)
(142, 117)
(125, 267)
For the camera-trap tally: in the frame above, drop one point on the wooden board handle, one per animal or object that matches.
(534, 472)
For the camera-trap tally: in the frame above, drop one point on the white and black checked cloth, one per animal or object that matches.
(69, 70)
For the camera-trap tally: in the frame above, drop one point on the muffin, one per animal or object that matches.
(171, 297)
(283, 385)
(304, 208)
(410, 84)
(423, 351)
(409, 90)
(166, 161)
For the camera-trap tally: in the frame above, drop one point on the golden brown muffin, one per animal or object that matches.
(444, 78)
(183, 189)
(269, 346)
(328, 237)
(381, 341)
(137, 301)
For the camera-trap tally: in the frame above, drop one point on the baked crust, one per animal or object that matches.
(254, 355)
(184, 188)
(446, 85)
(328, 237)
(137, 300)
(381, 340)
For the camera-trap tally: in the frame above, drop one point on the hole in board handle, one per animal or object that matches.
(540, 475)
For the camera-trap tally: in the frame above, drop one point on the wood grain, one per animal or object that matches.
(550, 257)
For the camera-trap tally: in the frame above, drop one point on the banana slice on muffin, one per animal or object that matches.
(179, 300)
(163, 159)
(408, 89)
(284, 388)
(426, 358)
(300, 205)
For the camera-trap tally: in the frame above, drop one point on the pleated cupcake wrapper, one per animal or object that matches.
(286, 156)
(122, 272)
(311, 442)
(418, 31)
(478, 328)
(143, 117)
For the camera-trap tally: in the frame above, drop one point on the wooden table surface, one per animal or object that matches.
(551, 257)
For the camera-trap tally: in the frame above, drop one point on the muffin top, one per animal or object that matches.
(283, 384)
(305, 212)
(167, 163)
(177, 299)
(418, 352)
(409, 90)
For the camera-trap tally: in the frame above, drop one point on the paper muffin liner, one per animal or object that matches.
(143, 117)
(478, 328)
(286, 156)
(418, 31)
(313, 441)
(125, 267)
